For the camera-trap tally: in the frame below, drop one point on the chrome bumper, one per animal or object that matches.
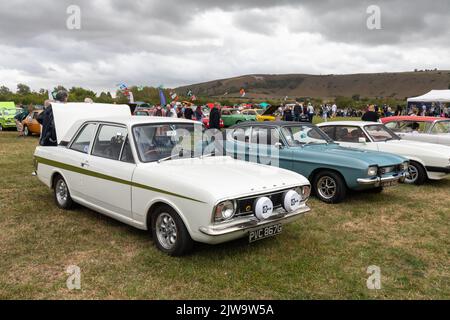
(245, 223)
(376, 181)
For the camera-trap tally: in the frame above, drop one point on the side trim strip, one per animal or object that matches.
(438, 169)
(109, 178)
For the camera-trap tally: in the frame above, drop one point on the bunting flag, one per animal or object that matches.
(242, 92)
(162, 97)
(189, 93)
(173, 96)
(122, 86)
(193, 98)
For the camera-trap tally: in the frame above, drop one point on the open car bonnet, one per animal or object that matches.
(67, 114)
(269, 111)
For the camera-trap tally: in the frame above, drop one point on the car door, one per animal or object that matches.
(77, 156)
(238, 143)
(266, 147)
(109, 184)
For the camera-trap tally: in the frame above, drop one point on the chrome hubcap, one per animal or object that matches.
(61, 192)
(413, 174)
(166, 231)
(326, 187)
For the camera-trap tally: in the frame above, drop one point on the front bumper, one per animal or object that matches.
(377, 181)
(240, 227)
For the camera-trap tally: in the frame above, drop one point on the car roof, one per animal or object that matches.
(348, 123)
(412, 118)
(133, 120)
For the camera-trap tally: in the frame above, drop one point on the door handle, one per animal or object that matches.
(85, 164)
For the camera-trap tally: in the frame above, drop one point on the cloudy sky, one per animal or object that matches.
(178, 42)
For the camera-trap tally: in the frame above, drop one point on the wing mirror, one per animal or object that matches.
(278, 145)
(362, 140)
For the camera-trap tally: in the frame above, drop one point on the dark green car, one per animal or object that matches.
(231, 117)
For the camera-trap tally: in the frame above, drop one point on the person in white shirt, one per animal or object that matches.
(333, 110)
(310, 112)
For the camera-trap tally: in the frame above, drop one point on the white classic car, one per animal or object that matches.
(126, 167)
(427, 160)
(423, 129)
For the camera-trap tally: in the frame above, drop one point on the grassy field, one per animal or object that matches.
(324, 255)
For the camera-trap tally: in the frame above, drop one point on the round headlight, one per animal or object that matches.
(372, 171)
(225, 210)
(306, 192)
(291, 200)
(263, 208)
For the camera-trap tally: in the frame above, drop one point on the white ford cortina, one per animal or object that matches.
(427, 160)
(138, 170)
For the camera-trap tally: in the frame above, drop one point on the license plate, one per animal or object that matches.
(389, 183)
(265, 232)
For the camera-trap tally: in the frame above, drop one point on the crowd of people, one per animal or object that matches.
(430, 110)
(300, 112)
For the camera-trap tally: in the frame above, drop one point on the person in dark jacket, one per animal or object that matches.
(188, 113)
(214, 117)
(297, 112)
(287, 116)
(48, 133)
(370, 115)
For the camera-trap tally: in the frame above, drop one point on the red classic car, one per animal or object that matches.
(206, 123)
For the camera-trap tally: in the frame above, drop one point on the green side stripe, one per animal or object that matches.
(106, 177)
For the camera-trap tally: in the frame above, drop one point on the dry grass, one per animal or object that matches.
(404, 231)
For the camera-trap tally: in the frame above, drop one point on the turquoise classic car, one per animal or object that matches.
(7, 118)
(231, 117)
(305, 149)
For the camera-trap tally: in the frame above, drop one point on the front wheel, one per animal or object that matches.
(170, 233)
(329, 187)
(417, 174)
(62, 194)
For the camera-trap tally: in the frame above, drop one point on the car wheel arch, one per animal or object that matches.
(318, 170)
(53, 177)
(161, 202)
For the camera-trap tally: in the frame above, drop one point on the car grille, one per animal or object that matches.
(245, 205)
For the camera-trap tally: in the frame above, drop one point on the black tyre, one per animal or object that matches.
(417, 174)
(62, 194)
(26, 131)
(170, 233)
(329, 187)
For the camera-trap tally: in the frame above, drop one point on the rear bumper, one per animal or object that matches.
(377, 181)
(240, 228)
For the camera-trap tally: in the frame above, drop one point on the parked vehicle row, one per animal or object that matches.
(426, 160)
(166, 176)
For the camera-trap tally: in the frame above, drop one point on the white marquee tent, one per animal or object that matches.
(442, 96)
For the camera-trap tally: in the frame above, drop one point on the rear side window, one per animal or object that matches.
(349, 134)
(109, 142)
(84, 138)
(329, 131)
